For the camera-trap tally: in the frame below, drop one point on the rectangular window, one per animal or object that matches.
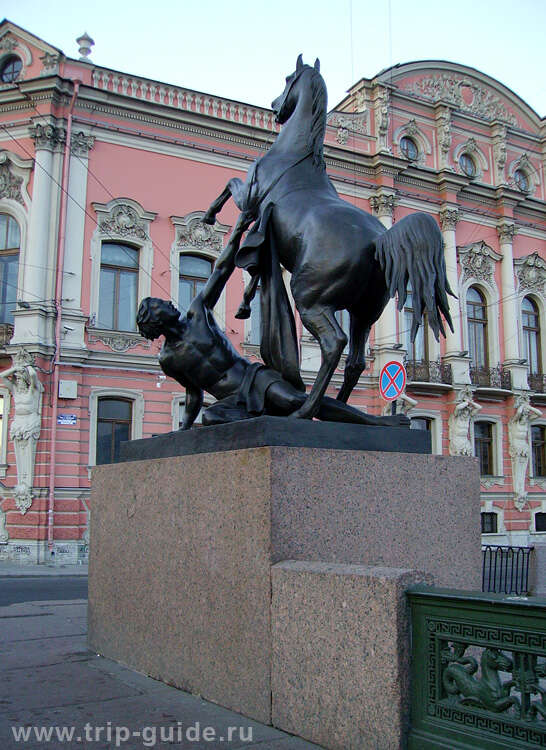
(537, 441)
(255, 320)
(489, 523)
(540, 521)
(118, 287)
(113, 427)
(483, 446)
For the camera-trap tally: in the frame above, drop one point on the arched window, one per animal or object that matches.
(418, 349)
(476, 311)
(483, 446)
(489, 523)
(420, 423)
(113, 427)
(193, 274)
(10, 242)
(255, 332)
(539, 454)
(467, 165)
(409, 148)
(118, 287)
(531, 335)
(11, 67)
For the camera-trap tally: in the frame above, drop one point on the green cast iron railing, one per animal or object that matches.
(478, 671)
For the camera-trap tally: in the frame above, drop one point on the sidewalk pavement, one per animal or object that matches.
(15, 570)
(52, 683)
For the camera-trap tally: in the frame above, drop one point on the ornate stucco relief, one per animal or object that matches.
(348, 123)
(464, 94)
(531, 273)
(478, 261)
(26, 390)
(518, 435)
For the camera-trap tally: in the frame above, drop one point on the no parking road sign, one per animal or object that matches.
(392, 380)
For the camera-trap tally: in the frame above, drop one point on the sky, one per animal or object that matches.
(243, 49)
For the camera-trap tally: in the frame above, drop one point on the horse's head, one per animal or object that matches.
(283, 106)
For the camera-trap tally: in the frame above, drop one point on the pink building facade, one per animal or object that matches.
(104, 177)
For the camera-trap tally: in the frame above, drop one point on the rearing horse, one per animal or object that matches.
(339, 256)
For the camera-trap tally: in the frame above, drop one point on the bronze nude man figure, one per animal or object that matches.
(199, 356)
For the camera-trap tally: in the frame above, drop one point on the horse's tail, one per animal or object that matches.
(413, 250)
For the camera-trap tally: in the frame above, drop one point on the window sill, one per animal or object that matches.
(488, 480)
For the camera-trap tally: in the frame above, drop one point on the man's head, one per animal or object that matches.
(155, 316)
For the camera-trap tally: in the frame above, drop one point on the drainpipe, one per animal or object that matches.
(58, 309)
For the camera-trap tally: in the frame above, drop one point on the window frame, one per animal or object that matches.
(123, 394)
(491, 514)
(483, 322)
(105, 215)
(119, 270)
(436, 427)
(113, 421)
(532, 467)
(541, 334)
(12, 252)
(193, 279)
(183, 245)
(4, 434)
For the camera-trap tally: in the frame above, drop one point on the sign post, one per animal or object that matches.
(392, 381)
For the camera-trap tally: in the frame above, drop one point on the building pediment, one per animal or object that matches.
(466, 89)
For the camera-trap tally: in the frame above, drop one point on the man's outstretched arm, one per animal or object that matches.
(223, 268)
(194, 402)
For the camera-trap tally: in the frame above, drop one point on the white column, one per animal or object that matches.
(75, 220)
(74, 330)
(382, 206)
(506, 231)
(460, 363)
(30, 323)
(449, 216)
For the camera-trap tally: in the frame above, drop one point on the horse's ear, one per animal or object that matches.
(299, 63)
(317, 65)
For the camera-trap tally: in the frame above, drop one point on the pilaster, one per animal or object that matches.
(81, 144)
(31, 317)
(386, 342)
(512, 358)
(460, 363)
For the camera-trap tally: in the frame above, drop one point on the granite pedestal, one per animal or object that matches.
(182, 549)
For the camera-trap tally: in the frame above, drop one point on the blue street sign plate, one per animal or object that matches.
(392, 380)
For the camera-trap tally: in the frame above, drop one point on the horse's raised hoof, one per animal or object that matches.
(243, 312)
(209, 218)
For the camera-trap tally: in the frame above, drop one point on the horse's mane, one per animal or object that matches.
(318, 118)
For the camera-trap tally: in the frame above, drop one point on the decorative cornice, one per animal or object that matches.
(531, 273)
(449, 217)
(463, 94)
(506, 231)
(478, 261)
(383, 204)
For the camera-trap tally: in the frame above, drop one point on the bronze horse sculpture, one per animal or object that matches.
(339, 256)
